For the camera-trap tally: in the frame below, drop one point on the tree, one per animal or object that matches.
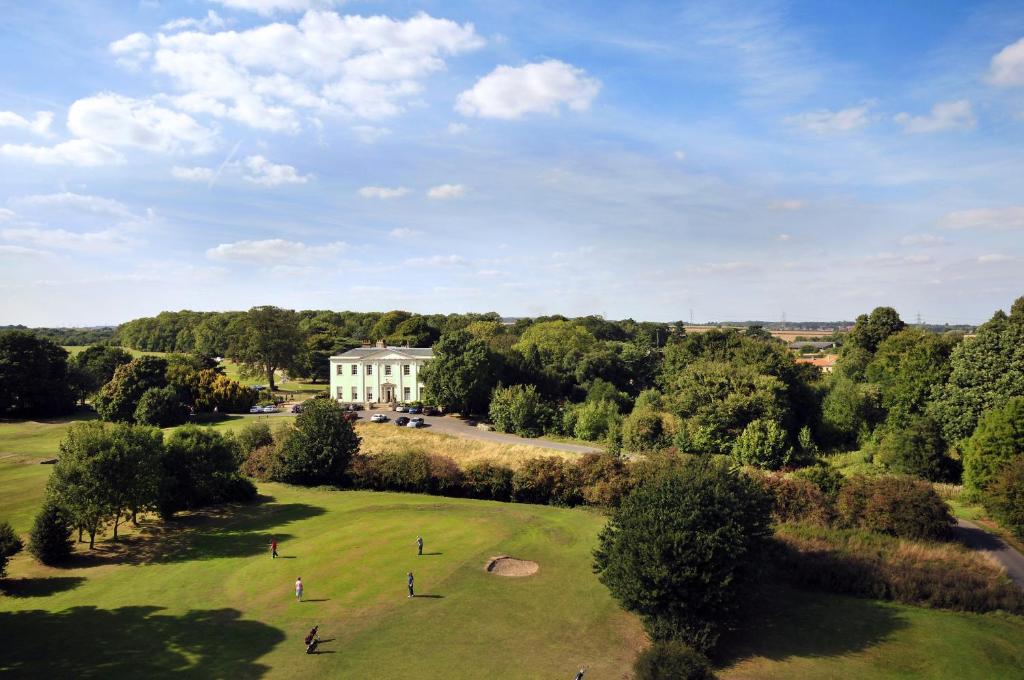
(96, 365)
(10, 545)
(763, 443)
(462, 373)
(519, 409)
(78, 484)
(131, 468)
(161, 406)
(918, 449)
(671, 660)
(416, 331)
(870, 330)
(34, 378)
(1004, 497)
(643, 430)
(199, 467)
(593, 420)
(683, 549)
(320, 447)
(849, 412)
(908, 367)
(995, 444)
(50, 540)
(119, 398)
(265, 339)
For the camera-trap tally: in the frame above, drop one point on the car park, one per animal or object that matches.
(415, 422)
(378, 418)
(402, 421)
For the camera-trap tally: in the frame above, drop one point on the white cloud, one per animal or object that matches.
(132, 50)
(105, 241)
(457, 128)
(944, 116)
(211, 21)
(40, 123)
(1007, 67)
(789, 204)
(368, 134)
(825, 121)
(197, 174)
(404, 232)
(921, 239)
(6, 215)
(437, 261)
(679, 154)
(116, 120)
(784, 237)
(21, 251)
(445, 191)
(719, 267)
(83, 152)
(78, 203)
(261, 171)
(510, 92)
(383, 192)
(985, 218)
(273, 251)
(891, 259)
(268, 76)
(266, 7)
(993, 258)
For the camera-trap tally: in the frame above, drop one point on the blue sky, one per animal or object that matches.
(743, 160)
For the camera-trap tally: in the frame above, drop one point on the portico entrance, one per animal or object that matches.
(387, 393)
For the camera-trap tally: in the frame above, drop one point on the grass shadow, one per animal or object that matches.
(431, 597)
(431, 553)
(39, 587)
(139, 642)
(786, 623)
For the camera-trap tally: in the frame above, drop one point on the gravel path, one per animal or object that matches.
(977, 538)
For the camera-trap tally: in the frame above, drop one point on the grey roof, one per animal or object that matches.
(363, 352)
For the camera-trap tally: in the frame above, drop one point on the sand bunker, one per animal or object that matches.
(503, 565)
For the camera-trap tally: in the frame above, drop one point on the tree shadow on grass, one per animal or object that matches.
(39, 587)
(138, 642)
(788, 623)
(224, 531)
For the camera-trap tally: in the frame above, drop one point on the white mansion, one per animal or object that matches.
(379, 374)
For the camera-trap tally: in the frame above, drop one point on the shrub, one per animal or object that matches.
(519, 409)
(684, 548)
(254, 435)
(488, 480)
(825, 477)
(998, 439)
(763, 443)
(161, 406)
(898, 506)
(10, 545)
(547, 480)
(916, 449)
(604, 479)
(796, 500)
(403, 471)
(234, 488)
(318, 449)
(593, 419)
(643, 430)
(446, 478)
(263, 463)
(50, 540)
(1005, 497)
(671, 660)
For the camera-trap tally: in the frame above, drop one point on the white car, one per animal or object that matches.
(415, 422)
(256, 409)
(378, 418)
(269, 408)
(401, 409)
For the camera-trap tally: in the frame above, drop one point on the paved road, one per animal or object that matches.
(977, 538)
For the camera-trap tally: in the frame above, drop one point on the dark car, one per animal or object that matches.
(401, 421)
(297, 408)
(415, 409)
(351, 415)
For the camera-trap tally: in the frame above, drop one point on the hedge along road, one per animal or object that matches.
(459, 428)
(976, 538)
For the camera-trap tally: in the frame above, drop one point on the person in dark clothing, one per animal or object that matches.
(419, 544)
(411, 593)
(579, 675)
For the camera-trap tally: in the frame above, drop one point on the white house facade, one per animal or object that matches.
(379, 375)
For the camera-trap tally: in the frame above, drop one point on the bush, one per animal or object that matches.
(254, 435)
(547, 480)
(825, 477)
(318, 449)
(684, 548)
(897, 506)
(402, 471)
(671, 660)
(161, 406)
(643, 430)
(234, 488)
(763, 443)
(10, 545)
(997, 441)
(604, 479)
(917, 449)
(797, 500)
(518, 409)
(50, 540)
(488, 480)
(263, 463)
(446, 478)
(1005, 497)
(593, 419)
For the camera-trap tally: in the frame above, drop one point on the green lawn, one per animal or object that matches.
(33, 439)
(75, 349)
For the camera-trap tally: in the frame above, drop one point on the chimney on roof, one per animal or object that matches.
(380, 344)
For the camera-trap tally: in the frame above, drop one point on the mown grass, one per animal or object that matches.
(75, 349)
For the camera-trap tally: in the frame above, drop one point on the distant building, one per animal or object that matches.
(825, 364)
(379, 375)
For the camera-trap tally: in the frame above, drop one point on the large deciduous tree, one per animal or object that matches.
(462, 373)
(199, 467)
(264, 340)
(119, 398)
(995, 444)
(34, 379)
(95, 366)
(320, 447)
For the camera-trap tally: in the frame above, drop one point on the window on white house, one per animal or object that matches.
(387, 369)
(369, 394)
(405, 369)
(339, 369)
(405, 393)
(341, 395)
(355, 393)
(355, 369)
(369, 369)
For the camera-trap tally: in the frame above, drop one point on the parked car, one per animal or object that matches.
(270, 408)
(296, 408)
(350, 416)
(400, 408)
(378, 418)
(415, 422)
(415, 409)
(259, 388)
(401, 421)
(256, 409)
(430, 411)
(354, 407)
(471, 423)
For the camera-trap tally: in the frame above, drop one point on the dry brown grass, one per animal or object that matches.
(384, 439)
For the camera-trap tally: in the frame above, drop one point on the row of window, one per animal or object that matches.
(406, 369)
(406, 394)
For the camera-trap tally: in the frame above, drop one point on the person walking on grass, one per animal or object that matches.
(273, 547)
(298, 589)
(419, 544)
(411, 593)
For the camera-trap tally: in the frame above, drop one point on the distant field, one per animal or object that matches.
(75, 349)
(786, 336)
